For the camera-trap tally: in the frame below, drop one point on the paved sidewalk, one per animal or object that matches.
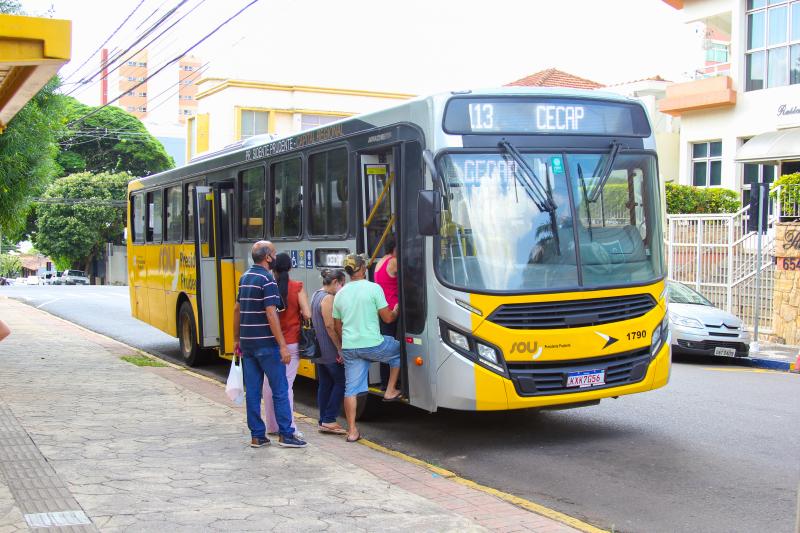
(90, 442)
(774, 356)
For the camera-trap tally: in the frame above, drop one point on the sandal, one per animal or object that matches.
(398, 398)
(333, 430)
(358, 438)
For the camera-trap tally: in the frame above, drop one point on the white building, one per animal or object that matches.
(740, 116)
(232, 110)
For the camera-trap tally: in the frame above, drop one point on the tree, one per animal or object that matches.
(84, 219)
(27, 156)
(10, 265)
(110, 140)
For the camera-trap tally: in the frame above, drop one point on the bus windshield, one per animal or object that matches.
(600, 226)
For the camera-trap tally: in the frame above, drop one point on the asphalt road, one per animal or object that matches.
(715, 451)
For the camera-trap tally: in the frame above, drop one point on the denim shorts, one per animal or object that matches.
(357, 361)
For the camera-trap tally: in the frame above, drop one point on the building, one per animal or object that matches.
(164, 102)
(231, 110)
(32, 50)
(648, 91)
(740, 115)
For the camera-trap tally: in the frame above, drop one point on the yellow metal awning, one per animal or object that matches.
(770, 147)
(32, 50)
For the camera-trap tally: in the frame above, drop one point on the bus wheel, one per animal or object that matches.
(187, 334)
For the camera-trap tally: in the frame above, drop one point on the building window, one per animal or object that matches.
(174, 214)
(187, 112)
(773, 44)
(287, 198)
(142, 95)
(312, 121)
(254, 122)
(186, 97)
(707, 164)
(717, 52)
(131, 78)
(187, 68)
(142, 109)
(328, 182)
(130, 109)
(753, 173)
(253, 187)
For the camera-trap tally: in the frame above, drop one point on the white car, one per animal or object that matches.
(699, 328)
(32, 280)
(73, 277)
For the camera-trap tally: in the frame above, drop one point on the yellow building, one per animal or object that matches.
(31, 52)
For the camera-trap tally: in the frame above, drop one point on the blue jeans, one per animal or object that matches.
(357, 361)
(255, 364)
(330, 391)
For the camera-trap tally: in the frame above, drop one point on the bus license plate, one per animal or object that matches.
(587, 378)
(727, 352)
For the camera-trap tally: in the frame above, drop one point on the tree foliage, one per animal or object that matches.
(27, 155)
(700, 200)
(77, 232)
(10, 265)
(111, 140)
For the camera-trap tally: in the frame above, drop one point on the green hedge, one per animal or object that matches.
(700, 200)
(790, 196)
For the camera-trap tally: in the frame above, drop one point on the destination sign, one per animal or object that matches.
(551, 116)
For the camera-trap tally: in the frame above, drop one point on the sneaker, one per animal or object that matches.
(258, 442)
(291, 442)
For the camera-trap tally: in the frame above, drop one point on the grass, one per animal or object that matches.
(141, 360)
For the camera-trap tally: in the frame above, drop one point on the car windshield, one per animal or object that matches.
(75, 273)
(681, 294)
(587, 233)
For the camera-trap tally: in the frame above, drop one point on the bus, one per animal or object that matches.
(529, 230)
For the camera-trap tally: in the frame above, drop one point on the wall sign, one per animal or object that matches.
(788, 115)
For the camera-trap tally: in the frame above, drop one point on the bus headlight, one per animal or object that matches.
(474, 349)
(458, 340)
(487, 352)
(659, 336)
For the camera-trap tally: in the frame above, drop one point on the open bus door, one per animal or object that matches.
(207, 296)
(378, 219)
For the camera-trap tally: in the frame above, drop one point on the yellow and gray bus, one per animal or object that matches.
(529, 229)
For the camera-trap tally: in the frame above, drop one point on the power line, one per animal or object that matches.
(113, 33)
(80, 201)
(196, 73)
(123, 53)
(175, 59)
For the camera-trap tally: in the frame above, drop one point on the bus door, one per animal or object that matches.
(225, 263)
(207, 294)
(378, 217)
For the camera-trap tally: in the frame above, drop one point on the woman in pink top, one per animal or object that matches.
(386, 276)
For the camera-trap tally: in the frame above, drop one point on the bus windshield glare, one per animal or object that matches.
(599, 226)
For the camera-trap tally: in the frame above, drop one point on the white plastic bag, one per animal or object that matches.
(235, 386)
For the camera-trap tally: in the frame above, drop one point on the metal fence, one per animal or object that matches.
(718, 257)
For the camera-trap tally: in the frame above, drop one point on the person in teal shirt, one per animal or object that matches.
(357, 309)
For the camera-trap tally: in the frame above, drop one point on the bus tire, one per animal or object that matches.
(191, 352)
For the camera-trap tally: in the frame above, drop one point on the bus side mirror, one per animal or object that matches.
(429, 212)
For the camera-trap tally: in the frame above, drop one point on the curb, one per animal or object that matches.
(510, 498)
(771, 364)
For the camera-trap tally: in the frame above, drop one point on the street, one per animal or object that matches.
(716, 450)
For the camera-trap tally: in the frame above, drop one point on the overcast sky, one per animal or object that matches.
(414, 46)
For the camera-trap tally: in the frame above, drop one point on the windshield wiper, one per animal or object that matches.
(539, 194)
(612, 156)
(585, 201)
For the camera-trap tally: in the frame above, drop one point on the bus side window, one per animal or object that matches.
(252, 187)
(137, 216)
(189, 199)
(154, 216)
(286, 190)
(328, 193)
(174, 214)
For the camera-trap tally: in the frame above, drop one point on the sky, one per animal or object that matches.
(413, 46)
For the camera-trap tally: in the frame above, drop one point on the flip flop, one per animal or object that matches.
(334, 431)
(398, 398)
(358, 438)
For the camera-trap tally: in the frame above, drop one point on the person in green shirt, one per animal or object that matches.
(357, 309)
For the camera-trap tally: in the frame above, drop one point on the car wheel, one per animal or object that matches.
(191, 352)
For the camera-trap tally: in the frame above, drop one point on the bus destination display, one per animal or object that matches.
(563, 116)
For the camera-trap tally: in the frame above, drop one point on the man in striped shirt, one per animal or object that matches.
(258, 337)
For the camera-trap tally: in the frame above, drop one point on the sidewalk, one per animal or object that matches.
(89, 442)
(774, 356)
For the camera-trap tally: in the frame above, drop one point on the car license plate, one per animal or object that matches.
(727, 352)
(586, 378)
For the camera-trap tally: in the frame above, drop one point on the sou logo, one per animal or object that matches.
(527, 348)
